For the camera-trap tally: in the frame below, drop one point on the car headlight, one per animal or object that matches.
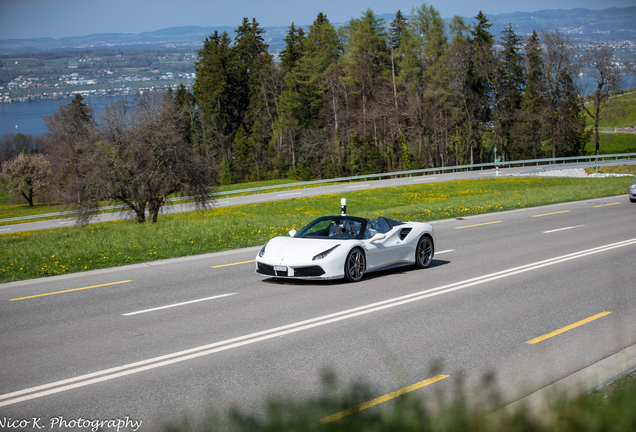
(321, 255)
(262, 251)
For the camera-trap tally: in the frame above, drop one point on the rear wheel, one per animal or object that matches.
(355, 265)
(424, 252)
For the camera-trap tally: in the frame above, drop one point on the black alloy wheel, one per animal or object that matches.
(355, 265)
(424, 252)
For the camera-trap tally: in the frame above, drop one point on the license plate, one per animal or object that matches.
(280, 268)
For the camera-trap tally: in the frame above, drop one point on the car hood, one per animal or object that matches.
(290, 247)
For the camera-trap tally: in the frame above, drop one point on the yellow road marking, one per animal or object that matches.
(570, 327)
(605, 205)
(548, 214)
(470, 226)
(225, 265)
(71, 290)
(382, 399)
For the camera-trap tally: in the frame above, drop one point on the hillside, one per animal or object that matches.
(583, 25)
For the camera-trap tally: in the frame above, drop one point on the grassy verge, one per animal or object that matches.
(623, 169)
(35, 254)
(8, 210)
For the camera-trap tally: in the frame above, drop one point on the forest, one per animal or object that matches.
(370, 97)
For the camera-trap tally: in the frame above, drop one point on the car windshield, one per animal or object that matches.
(332, 228)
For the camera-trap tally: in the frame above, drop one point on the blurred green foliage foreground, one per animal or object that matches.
(611, 409)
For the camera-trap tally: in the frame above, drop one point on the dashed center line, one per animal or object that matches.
(563, 229)
(70, 290)
(382, 399)
(476, 225)
(570, 327)
(605, 205)
(232, 264)
(179, 304)
(549, 214)
(357, 186)
(292, 193)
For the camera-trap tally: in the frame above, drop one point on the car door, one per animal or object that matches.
(387, 250)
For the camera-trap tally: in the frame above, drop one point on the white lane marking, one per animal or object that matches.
(6, 229)
(178, 304)
(69, 222)
(444, 251)
(424, 179)
(222, 202)
(177, 357)
(357, 186)
(293, 193)
(563, 229)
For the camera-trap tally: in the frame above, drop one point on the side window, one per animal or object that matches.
(383, 227)
(375, 226)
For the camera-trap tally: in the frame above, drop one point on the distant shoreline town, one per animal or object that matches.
(91, 86)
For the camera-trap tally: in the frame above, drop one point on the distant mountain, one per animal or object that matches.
(582, 25)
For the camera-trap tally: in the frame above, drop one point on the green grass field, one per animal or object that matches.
(620, 112)
(613, 143)
(35, 254)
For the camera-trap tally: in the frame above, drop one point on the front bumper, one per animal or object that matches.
(299, 272)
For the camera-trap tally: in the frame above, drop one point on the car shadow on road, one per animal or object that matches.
(386, 272)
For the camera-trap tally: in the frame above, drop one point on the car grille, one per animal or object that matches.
(267, 270)
(311, 271)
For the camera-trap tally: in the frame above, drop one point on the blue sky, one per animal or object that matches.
(61, 18)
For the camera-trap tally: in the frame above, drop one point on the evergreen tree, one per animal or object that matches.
(366, 61)
(533, 101)
(508, 86)
(302, 100)
(293, 48)
(216, 94)
(480, 71)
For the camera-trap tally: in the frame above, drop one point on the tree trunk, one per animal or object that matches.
(28, 197)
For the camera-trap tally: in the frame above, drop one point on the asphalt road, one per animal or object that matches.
(156, 341)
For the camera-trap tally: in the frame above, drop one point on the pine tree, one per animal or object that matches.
(293, 48)
(508, 86)
(533, 99)
(215, 93)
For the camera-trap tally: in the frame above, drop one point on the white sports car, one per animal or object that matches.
(334, 247)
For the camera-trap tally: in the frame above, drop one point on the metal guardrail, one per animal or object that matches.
(552, 162)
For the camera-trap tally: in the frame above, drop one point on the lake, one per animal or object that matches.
(27, 117)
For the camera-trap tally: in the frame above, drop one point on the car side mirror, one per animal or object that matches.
(292, 233)
(377, 237)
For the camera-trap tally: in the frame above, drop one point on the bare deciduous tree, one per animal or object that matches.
(607, 79)
(562, 96)
(137, 155)
(142, 157)
(27, 175)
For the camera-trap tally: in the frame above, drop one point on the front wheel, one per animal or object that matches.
(424, 252)
(355, 265)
